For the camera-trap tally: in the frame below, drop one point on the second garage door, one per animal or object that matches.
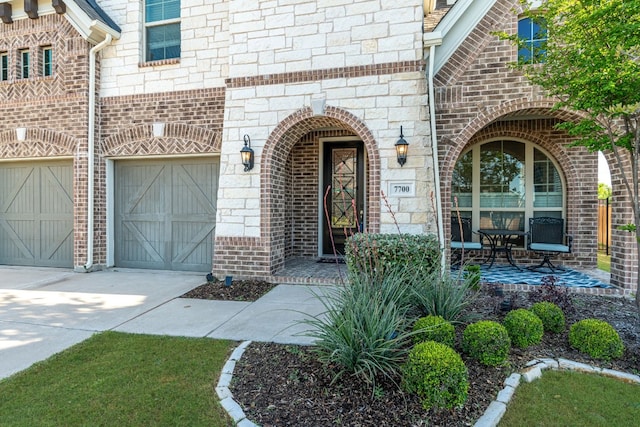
(165, 213)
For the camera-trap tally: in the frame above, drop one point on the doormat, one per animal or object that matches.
(331, 261)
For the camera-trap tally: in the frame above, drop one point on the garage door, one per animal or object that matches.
(165, 214)
(36, 214)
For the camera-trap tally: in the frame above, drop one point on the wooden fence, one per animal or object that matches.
(604, 225)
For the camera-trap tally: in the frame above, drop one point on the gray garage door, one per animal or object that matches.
(36, 214)
(165, 213)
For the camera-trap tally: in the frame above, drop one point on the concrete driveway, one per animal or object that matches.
(45, 310)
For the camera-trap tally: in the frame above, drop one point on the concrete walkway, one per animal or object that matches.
(45, 310)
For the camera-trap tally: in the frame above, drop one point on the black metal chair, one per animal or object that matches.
(462, 239)
(547, 238)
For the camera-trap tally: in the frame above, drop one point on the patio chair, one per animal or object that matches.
(462, 243)
(547, 238)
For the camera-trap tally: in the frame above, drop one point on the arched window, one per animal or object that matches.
(500, 184)
(533, 35)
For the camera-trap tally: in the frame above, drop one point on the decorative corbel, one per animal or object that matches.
(5, 13)
(31, 8)
(59, 6)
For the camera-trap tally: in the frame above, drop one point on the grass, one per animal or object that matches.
(604, 262)
(568, 399)
(120, 379)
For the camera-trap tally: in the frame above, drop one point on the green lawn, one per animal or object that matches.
(604, 262)
(569, 399)
(120, 379)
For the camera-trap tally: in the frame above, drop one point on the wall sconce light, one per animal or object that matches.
(402, 147)
(247, 154)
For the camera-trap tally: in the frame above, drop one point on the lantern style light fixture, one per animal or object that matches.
(247, 154)
(402, 146)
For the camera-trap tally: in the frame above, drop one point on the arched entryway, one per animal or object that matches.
(295, 173)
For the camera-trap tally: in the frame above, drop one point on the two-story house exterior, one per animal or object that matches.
(123, 121)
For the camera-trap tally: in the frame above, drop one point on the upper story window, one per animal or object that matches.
(533, 35)
(162, 29)
(4, 66)
(24, 63)
(47, 61)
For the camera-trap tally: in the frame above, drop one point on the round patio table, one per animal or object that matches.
(501, 240)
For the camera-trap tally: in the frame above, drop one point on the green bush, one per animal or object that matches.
(434, 328)
(473, 275)
(442, 295)
(596, 338)
(551, 315)
(524, 327)
(486, 341)
(437, 374)
(365, 330)
(376, 254)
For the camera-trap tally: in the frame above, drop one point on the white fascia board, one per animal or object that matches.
(456, 26)
(91, 30)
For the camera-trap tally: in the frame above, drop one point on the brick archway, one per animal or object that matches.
(275, 155)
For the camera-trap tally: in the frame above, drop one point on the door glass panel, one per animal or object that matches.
(344, 187)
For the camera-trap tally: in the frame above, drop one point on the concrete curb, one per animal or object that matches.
(491, 416)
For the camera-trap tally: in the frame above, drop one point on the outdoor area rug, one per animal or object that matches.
(507, 274)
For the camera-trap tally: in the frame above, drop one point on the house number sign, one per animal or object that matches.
(402, 189)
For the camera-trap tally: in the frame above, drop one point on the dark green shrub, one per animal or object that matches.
(376, 254)
(434, 328)
(596, 338)
(486, 341)
(442, 295)
(551, 315)
(524, 327)
(437, 374)
(472, 276)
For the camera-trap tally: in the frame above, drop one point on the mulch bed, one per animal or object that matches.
(284, 385)
(240, 290)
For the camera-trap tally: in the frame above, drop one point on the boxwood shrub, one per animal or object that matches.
(434, 328)
(596, 338)
(551, 315)
(524, 327)
(486, 341)
(437, 374)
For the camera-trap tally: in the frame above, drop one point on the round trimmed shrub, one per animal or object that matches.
(524, 327)
(434, 328)
(551, 315)
(437, 374)
(596, 338)
(486, 341)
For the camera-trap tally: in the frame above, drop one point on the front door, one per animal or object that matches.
(343, 206)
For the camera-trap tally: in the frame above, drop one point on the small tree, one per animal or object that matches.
(591, 64)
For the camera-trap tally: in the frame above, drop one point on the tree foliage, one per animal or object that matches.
(592, 65)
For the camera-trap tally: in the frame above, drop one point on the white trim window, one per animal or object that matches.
(4, 66)
(501, 183)
(24, 63)
(161, 29)
(47, 61)
(533, 35)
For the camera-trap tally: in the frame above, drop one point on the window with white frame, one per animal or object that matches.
(533, 35)
(24, 63)
(4, 66)
(500, 184)
(162, 29)
(47, 61)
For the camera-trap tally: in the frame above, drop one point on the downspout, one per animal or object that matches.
(91, 146)
(433, 40)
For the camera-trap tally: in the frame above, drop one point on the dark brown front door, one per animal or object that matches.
(344, 202)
